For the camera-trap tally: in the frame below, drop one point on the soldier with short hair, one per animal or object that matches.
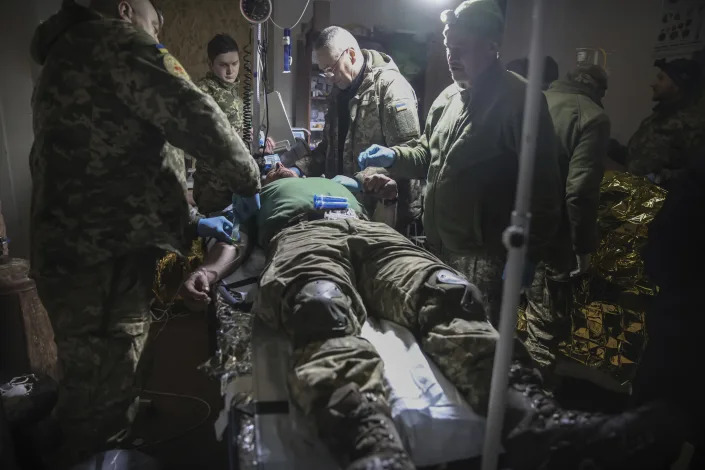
(371, 103)
(210, 192)
(469, 155)
(109, 197)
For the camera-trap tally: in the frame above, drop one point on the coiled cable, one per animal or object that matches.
(247, 92)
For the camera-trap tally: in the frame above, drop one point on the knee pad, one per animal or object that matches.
(458, 297)
(321, 310)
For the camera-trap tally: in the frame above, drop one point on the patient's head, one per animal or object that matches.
(278, 172)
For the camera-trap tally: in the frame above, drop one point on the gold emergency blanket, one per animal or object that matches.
(172, 270)
(607, 319)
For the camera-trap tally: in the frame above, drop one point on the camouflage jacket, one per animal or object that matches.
(665, 141)
(210, 192)
(384, 111)
(470, 152)
(107, 101)
(583, 131)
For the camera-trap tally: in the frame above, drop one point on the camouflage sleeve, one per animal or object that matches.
(649, 148)
(400, 118)
(201, 84)
(240, 118)
(582, 192)
(155, 86)
(413, 158)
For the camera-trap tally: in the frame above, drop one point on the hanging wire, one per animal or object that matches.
(297, 21)
(265, 82)
(247, 88)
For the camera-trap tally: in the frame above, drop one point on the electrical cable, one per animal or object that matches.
(297, 21)
(181, 434)
(265, 81)
(247, 93)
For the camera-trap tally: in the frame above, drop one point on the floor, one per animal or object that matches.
(179, 432)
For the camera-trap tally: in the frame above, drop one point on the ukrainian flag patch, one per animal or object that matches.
(162, 49)
(400, 107)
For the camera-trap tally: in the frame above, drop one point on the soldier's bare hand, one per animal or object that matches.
(269, 146)
(197, 286)
(381, 186)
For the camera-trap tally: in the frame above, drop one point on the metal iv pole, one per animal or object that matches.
(515, 239)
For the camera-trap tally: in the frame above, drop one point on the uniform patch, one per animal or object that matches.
(174, 67)
(162, 49)
(400, 107)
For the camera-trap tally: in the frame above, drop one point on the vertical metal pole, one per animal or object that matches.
(256, 74)
(515, 239)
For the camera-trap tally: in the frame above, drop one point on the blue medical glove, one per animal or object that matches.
(352, 184)
(219, 228)
(527, 277)
(376, 156)
(296, 170)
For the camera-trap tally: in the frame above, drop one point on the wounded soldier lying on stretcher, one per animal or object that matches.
(325, 275)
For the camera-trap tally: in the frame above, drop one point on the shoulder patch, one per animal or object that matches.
(401, 107)
(174, 67)
(162, 49)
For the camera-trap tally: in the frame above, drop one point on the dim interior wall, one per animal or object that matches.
(626, 29)
(17, 24)
(190, 24)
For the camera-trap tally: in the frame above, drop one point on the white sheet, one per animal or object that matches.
(435, 422)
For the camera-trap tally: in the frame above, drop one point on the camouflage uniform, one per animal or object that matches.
(383, 112)
(381, 273)
(210, 192)
(109, 197)
(378, 272)
(665, 141)
(469, 152)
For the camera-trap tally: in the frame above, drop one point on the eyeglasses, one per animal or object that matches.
(328, 71)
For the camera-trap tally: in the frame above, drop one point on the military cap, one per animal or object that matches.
(592, 75)
(481, 17)
(685, 73)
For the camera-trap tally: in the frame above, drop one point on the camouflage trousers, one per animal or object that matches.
(384, 275)
(101, 317)
(483, 270)
(548, 305)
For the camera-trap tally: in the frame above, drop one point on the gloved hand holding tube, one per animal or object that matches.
(219, 228)
(376, 156)
(244, 208)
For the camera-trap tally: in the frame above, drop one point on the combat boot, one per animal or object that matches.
(360, 431)
(539, 434)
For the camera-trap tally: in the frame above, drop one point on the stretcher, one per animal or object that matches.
(434, 421)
